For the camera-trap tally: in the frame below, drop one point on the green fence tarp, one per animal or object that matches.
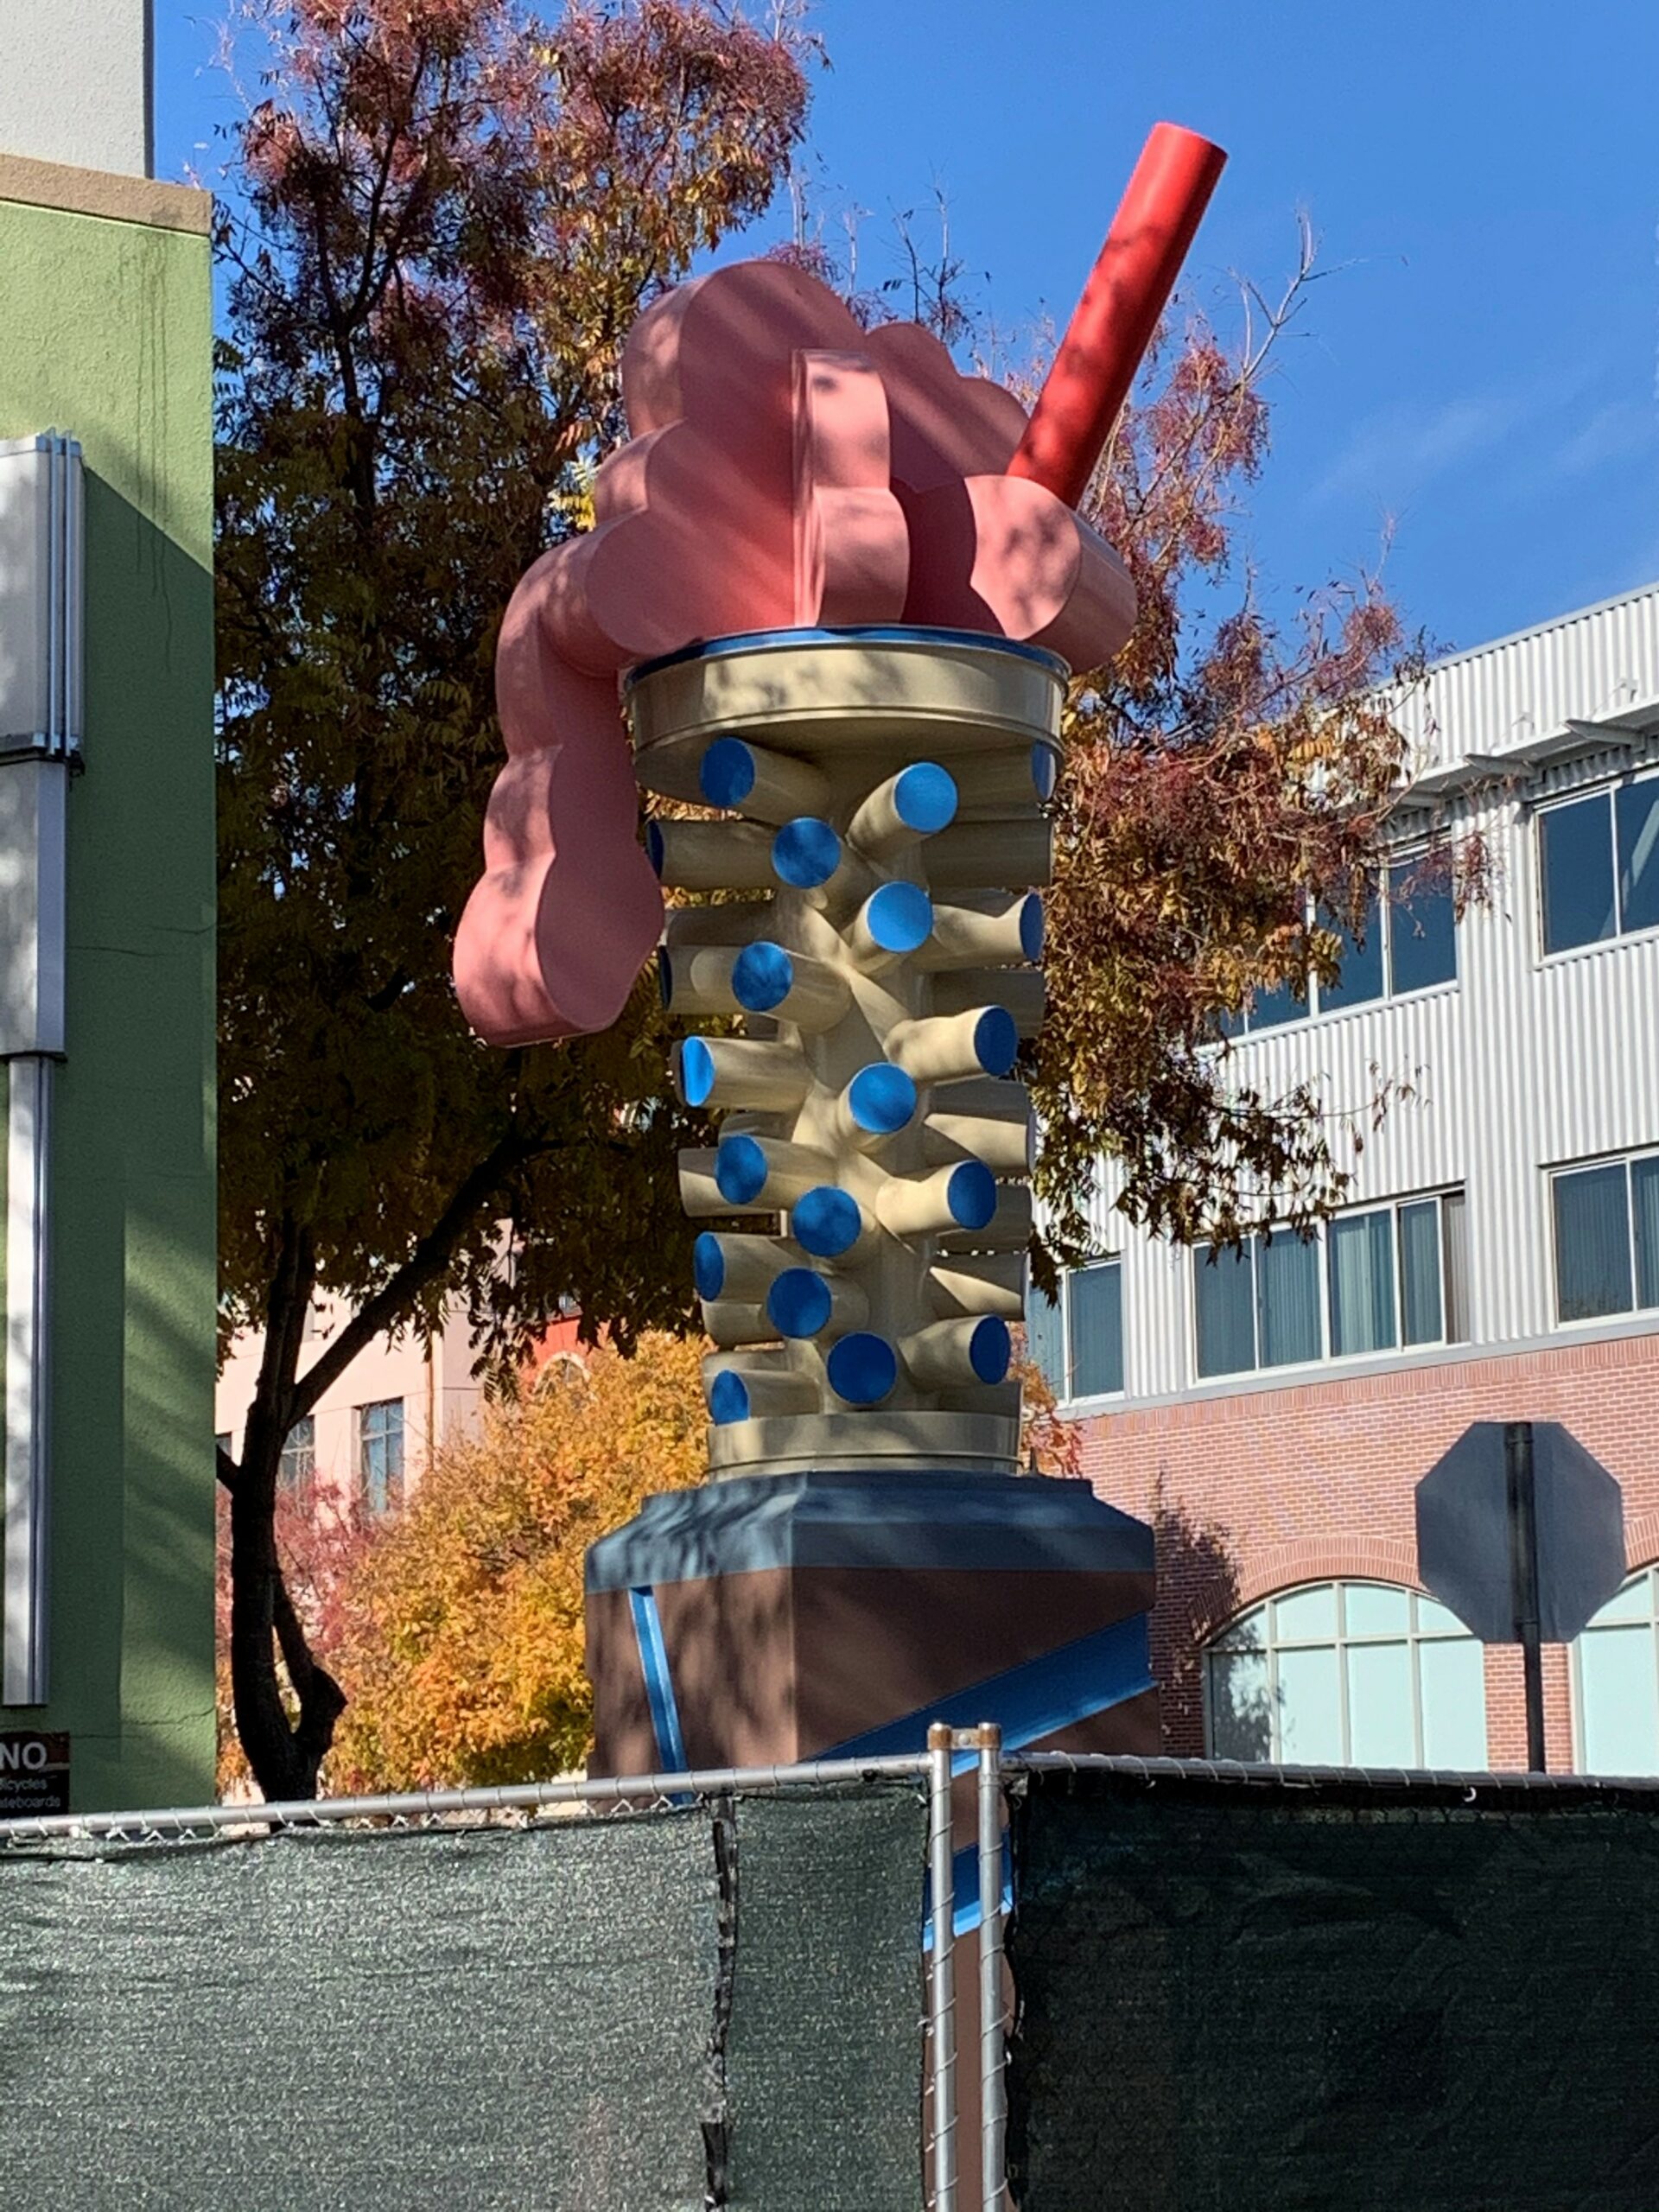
(823, 2054)
(1267, 1998)
(322, 2020)
(717, 2005)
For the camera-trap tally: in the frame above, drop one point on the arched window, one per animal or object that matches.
(1347, 1674)
(1616, 1682)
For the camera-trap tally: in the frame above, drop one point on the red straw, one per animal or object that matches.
(1118, 313)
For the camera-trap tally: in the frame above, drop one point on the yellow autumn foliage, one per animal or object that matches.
(463, 1658)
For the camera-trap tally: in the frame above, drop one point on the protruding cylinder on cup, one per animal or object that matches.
(1021, 991)
(832, 1224)
(995, 929)
(789, 986)
(697, 979)
(1008, 1228)
(700, 1195)
(954, 1355)
(1005, 1148)
(768, 786)
(767, 1173)
(983, 1282)
(999, 782)
(731, 924)
(879, 1102)
(804, 1303)
(945, 1048)
(738, 1266)
(710, 856)
(890, 925)
(740, 1071)
(918, 802)
(732, 1321)
(960, 1200)
(1014, 855)
(747, 1389)
(806, 852)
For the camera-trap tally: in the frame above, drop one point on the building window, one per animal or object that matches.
(1347, 1674)
(381, 1453)
(1078, 1344)
(298, 1464)
(1409, 942)
(1599, 865)
(1381, 1278)
(1606, 1238)
(1616, 1682)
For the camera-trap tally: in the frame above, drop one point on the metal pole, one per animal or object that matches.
(992, 2089)
(941, 1987)
(1523, 1579)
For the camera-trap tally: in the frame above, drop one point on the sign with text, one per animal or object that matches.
(34, 1773)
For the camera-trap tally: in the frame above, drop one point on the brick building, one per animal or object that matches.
(1271, 1411)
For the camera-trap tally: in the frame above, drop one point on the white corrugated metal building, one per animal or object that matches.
(1507, 1208)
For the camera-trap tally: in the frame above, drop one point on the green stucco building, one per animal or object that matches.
(106, 983)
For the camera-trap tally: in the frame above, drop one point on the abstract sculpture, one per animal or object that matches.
(835, 587)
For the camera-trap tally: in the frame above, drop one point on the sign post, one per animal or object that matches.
(1522, 1534)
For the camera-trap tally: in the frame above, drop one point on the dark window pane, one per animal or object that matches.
(380, 1453)
(1422, 930)
(1645, 1198)
(1361, 978)
(1362, 1282)
(1223, 1286)
(1045, 1341)
(1638, 807)
(1592, 1244)
(1268, 1009)
(1575, 847)
(1288, 1300)
(1419, 1270)
(1095, 1298)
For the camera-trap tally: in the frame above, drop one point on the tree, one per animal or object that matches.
(452, 216)
(463, 1648)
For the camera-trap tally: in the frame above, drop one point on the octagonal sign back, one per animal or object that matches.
(1465, 1537)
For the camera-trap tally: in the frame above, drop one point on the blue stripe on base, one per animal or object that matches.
(1052, 1692)
(659, 1683)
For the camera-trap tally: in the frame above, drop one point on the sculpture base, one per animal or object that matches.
(774, 1618)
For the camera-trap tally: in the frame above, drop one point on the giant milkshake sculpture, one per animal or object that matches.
(834, 589)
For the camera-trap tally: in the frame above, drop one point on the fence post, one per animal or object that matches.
(993, 2087)
(941, 2006)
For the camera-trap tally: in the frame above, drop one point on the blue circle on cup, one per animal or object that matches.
(799, 1303)
(708, 1265)
(997, 1040)
(739, 1169)
(763, 975)
(725, 773)
(924, 797)
(1045, 771)
(728, 1398)
(696, 1071)
(826, 1221)
(863, 1367)
(805, 853)
(881, 1098)
(971, 1195)
(1031, 926)
(900, 916)
(656, 846)
(990, 1349)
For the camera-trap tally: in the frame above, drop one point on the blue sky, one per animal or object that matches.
(1479, 372)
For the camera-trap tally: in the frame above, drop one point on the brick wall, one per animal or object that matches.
(1250, 1494)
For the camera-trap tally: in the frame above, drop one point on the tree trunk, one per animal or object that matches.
(285, 1752)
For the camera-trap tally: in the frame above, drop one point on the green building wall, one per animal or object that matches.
(105, 334)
